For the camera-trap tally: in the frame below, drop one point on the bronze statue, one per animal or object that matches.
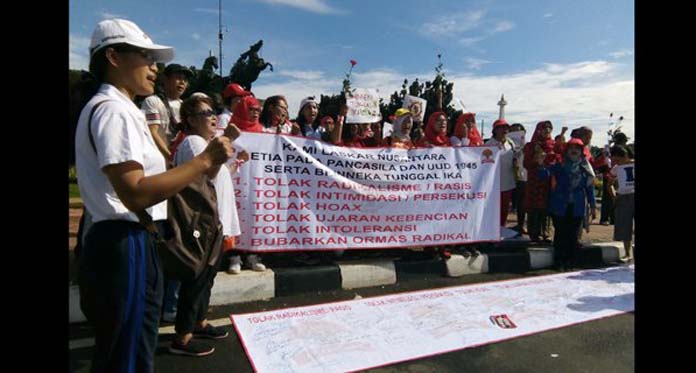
(248, 66)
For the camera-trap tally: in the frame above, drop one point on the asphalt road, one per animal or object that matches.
(605, 345)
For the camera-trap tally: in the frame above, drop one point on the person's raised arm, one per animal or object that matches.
(338, 128)
(138, 192)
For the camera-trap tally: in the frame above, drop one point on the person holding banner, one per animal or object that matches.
(324, 129)
(435, 131)
(401, 135)
(274, 116)
(537, 193)
(373, 135)
(351, 136)
(568, 201)
(370, 134)
(307, 117)
(507, 173)
(123, 177)
(246, 115)
(460, 134)
(474, 136)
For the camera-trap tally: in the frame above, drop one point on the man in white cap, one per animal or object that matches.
(124, 185)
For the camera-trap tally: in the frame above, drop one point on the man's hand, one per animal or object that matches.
(232, 132)
(296, 130)
(243, 156)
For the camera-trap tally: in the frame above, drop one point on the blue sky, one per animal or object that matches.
(568, 61)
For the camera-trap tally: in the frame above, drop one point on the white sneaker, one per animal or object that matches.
(235, 269)
(255, 264)
(235, 265)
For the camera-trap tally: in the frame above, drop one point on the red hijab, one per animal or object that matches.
(546, 144)
(475, 138)
(431, 134)
(240, 116)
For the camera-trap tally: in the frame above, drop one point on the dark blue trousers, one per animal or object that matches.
(121, 287)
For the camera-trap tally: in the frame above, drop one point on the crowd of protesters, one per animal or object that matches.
(131, 159)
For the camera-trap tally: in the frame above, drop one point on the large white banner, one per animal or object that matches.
(359, 334)
(301, 194)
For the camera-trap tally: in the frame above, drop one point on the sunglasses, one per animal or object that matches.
(207, 113)
(145, 54)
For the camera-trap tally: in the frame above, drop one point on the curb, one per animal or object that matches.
(252, 286)
(75, 203)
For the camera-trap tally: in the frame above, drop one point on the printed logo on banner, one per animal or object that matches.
(502, 321)
(487, 156)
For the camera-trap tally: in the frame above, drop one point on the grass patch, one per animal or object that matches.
(73, 190)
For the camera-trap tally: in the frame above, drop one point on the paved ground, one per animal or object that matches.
(605, 345)
(599, 346)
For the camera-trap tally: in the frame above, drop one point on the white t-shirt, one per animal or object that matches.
(625, 174)
(120, 135)
(224, 188)
(222, 121)
(507, 173)
(156, 113)
(285, 129)
(459, 142)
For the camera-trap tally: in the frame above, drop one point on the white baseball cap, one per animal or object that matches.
(114, 31)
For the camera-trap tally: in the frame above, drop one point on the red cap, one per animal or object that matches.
(575, 141)
(500, 122)
(234, 89)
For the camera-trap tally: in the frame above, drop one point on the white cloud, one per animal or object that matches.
(475, 63)
(107, 15)
(301, 75)
(196, 36)
(78, 52)
(621, 53)
(454, 24)
(548, 15)
(314, 6)
(467, 42)
(504, 26)
(571, 95)
(458, 26)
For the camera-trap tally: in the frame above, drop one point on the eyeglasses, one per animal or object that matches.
(207, 113)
